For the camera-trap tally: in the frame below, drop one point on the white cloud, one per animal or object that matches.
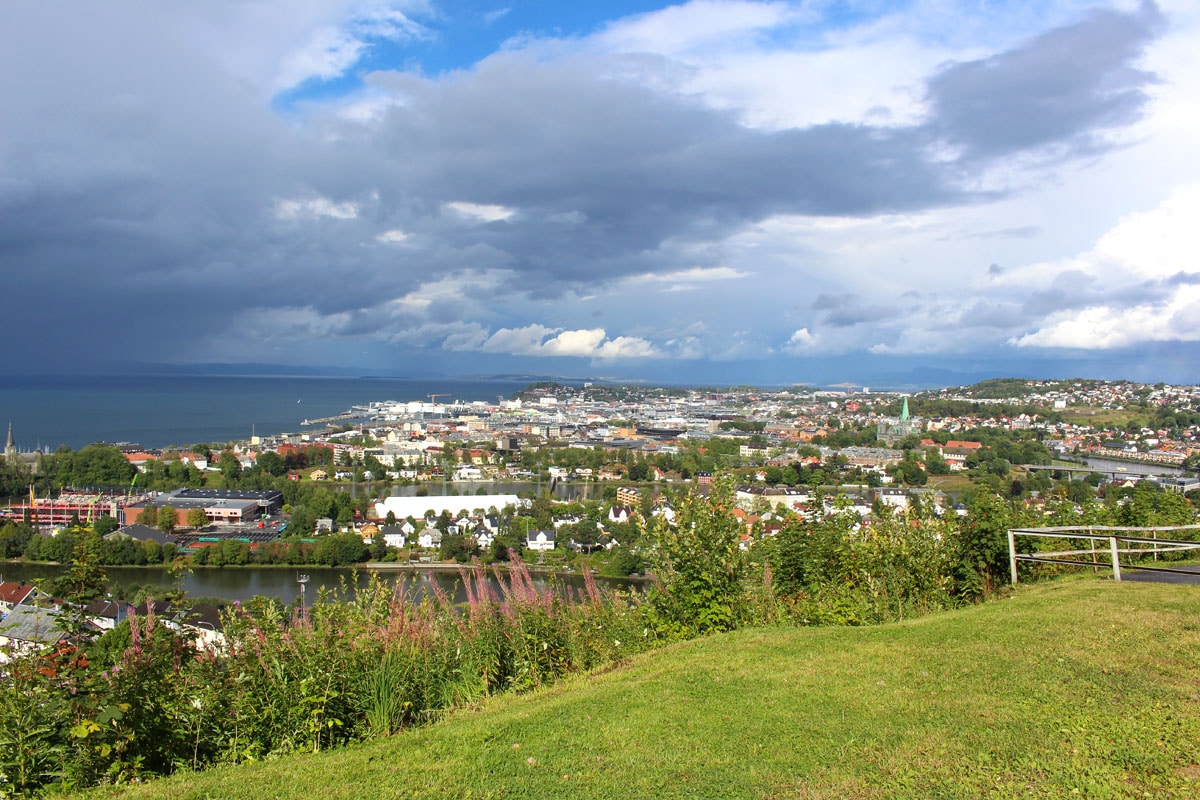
(802, 341)
(392, 237)
(328, 53)
(449, 289)
(314, 208)
(688, 279)
(627, 347)
(693, 275)
(481, 211)
(332, 49)
(1106, 327)
(1149, 251)
(574, 343)
(700, 23)
(538, 340)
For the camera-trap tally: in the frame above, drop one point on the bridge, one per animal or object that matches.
(1072, 470)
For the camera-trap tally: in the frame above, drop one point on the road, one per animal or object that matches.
(1128, 574)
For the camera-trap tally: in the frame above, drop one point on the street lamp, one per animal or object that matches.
(302, 579)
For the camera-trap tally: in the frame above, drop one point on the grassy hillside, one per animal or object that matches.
(1079, 688)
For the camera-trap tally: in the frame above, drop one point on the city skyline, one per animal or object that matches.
(766, 192)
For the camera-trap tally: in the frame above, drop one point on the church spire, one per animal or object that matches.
(904, 411)
(10, 447)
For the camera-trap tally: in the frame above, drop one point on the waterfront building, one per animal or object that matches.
(415, 507)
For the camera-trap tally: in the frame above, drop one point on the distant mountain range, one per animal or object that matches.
(842, 375)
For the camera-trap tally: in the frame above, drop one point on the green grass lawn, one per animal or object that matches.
(954, 482)
(1077, 688)
(1105, 417)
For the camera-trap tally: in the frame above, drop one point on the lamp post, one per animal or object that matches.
(302, 579)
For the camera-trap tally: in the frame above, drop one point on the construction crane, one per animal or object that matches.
(433, 397)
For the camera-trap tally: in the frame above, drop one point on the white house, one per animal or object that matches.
(483, 536)
(665, 511)
(619, 514)
(540, 540)
(393, 535)
(430, 537)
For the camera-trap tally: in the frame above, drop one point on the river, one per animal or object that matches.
(561, 490)
(1132, 467)
(243, 583)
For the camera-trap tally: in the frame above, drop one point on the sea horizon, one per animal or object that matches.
(169, 410)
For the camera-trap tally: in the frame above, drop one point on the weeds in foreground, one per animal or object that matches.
(354, 666)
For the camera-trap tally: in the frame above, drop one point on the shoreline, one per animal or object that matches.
(366, 567)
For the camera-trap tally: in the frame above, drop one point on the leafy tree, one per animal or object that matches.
(379, 547)
(148, 516)
(271, 463)
(230, 467)
(983, 544)
(94, 465)
(196, 518)
(626, 561)
(105, 525)
(1148, 505)
(168, 518)
(14, 539)
(84, 583)
(458, 547)
(935, 464)
(700, 565)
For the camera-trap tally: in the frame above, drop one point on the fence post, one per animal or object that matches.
(1112, 541)
(1012, 556)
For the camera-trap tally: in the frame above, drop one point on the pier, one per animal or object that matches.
(345, 415)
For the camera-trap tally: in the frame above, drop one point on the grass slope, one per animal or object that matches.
(1077, 688)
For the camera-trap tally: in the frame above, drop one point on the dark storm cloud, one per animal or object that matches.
(140, 178)
(602, 172)
(1064, 87)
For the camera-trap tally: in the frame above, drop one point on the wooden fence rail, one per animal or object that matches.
(1116, 540)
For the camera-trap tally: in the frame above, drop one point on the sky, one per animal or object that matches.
(712, 191)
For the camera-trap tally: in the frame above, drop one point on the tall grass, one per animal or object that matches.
(355, 665)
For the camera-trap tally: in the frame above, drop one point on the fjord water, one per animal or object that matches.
(165, 410)
(243, 583)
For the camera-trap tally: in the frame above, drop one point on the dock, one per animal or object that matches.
(326, 420)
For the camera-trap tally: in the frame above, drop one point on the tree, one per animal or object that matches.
(168, 518)
(935, 464)
(983, 544)
(84, 583)
(148, 516)
(701, 566)
(231, 468)
(271, 463)
(379, 547)
(105, 525)
(196, 518)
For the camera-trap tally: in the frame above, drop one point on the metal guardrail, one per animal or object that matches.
(1113, 538)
